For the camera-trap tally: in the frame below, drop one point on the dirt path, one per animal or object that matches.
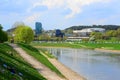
(106, 50)
(67, 72)
(43, 70)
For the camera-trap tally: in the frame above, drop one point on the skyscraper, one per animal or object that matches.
(38, 28)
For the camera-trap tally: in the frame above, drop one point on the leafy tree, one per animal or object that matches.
(0, 27)
(44, 37)
(96, 35)
(3, 35)
(23, 34)
(69, 31)
(118, 32)
(17, 33)
(111, 33)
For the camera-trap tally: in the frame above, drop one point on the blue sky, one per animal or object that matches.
(59, 14)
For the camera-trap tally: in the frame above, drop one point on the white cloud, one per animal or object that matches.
(74, 5)
(32, 18)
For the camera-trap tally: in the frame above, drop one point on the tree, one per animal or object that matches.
(96, 35)
(23, 34)
(111, 33)
(3, 35)
(69, 31)
(118, 32)
(44, 37)
(0, 27)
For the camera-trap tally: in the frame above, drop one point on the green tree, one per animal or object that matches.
(44, 37)
(118, 34)
(96, 35)
(118, 31)
(23, 34)
(69, 31)
(3, 35)
(0, 27)
(111, 33)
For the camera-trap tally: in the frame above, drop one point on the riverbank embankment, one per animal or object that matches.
(42, 69)
(96, 49)
(106, 50)
(67, 72)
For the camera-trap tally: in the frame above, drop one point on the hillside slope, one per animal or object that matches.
(13, 66)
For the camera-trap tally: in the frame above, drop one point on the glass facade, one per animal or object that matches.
(38, 28)
(59, 33)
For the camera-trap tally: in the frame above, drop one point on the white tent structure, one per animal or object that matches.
(87, 31)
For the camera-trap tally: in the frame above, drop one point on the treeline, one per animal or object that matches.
(107, 27)
(112, 35)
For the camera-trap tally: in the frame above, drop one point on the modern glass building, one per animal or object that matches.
(38, 28)
(59, 33)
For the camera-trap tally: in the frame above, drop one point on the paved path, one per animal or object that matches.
(43, 70)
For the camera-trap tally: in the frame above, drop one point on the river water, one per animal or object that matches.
(92, 65)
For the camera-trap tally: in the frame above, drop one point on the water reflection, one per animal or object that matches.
(91, 64)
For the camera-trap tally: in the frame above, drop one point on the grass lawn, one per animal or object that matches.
(70, 45)
(110, 46)
(10, 59)
(36, 54)
(49, 55)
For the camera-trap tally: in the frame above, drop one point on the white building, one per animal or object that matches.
(87, 31)
(84, 33)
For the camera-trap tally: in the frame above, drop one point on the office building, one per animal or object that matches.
(38, 28)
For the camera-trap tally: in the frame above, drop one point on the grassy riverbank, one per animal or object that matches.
(49, 55)
(36, 54)
(89, 45)
(109, 46)
(70, 45)
(13, 66)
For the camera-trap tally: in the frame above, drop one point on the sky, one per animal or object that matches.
(59, 14)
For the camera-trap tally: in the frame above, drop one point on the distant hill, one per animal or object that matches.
(107, 27)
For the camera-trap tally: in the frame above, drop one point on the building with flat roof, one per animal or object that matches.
(86, 32)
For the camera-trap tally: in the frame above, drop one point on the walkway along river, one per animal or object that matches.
(90, 64)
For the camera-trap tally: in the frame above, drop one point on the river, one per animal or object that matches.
(92, 65)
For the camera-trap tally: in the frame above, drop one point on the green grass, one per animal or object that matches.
(49, 55)
(36, 54)
(89, 45)
(70, 45)
(12, 59)
(110, 46)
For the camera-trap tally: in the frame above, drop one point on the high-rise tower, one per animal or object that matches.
(38, 28)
